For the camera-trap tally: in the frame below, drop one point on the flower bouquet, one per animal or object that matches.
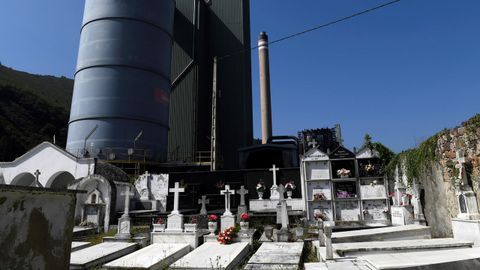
(319, 196)
(226, 237)
(343, 173)
(159, 225)
(290, 187)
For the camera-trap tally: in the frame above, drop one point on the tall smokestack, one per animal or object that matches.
(264, 68)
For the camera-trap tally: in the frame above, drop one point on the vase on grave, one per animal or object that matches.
(260, 195)
(289, 194)
(268, 232)
(244, 225)
(212, 227)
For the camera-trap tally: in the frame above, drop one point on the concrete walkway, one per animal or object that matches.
(381, 234)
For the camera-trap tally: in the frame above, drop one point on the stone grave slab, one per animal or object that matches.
(458, 259)
(276, 256)
(152, 257)
(466, 230)
(268, 205)
(214, 256)
(364, 248)
(99, 254)
(79, 245)
(401, 215)
(191, 238)
(407, 232)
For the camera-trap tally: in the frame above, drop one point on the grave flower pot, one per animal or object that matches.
(158, 227)
(244, 225)
(190, 227)
(289, 194)
(260, 195)
(212, 227)
(268, 232)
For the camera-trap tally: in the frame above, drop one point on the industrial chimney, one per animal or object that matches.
(122, 81)
(264, 68)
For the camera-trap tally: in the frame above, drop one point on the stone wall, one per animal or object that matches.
(36, 227)
(438, 176)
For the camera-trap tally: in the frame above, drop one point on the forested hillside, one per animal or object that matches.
(33, 109)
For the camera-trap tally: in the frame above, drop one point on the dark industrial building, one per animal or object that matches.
(145, 75)
(203, 30)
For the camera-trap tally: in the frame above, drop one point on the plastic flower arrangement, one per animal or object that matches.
(320, 216)
(212, 218)
(260, 186)
(369, 167)
(290, 185)
(343, 172)
(160, 221)
(365, 211)
(386, 210)
(244, 217)
(193, 220)
(319, 196)
(226, 237)
(220, 185)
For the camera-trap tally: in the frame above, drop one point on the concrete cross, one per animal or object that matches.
(127, 194)
(203, 201)
(37, 182)
(274, 170)
(242, 191)
(147, 174)
(227, 192)
(176, 191)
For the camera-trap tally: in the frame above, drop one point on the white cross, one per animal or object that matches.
(203, 201)
(127, 194)
(227, 192)
(147, 174)
(176, 191)
(242, 191)
(274, 170)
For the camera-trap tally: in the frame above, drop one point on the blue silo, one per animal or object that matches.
(122, 81)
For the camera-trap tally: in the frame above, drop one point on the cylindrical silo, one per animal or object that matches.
(122, 81)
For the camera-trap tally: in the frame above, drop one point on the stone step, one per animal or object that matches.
(458, 259)
(213, 255)
(276, 256)
(155, 256)
(381, 234)
(361, 248)
(100, 254)
(315, 266)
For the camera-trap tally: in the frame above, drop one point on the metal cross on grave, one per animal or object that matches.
(37, 182)
(227, 192)
(242, 191)
(127, 195)
(203, 201)
(176, 194)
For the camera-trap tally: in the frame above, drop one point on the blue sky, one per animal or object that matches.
(401, 73)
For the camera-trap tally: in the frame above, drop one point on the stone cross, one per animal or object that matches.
(242, 191)
(203, 201)
(227, 192)
(37, 182)
(273, 189)
(460, 158)
(176, 191)
(127, 194)
(274, 170)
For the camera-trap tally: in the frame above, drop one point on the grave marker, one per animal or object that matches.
(175, 219)
(227, 219)
(273, 189)
(203, 201)
(123, 231)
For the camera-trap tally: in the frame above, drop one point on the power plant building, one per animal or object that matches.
(145, 75)
(203, 30)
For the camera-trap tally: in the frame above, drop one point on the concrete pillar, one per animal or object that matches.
(264, 69)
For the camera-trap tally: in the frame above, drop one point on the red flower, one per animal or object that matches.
(244, 217)
(212, 218)
(160, 221)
